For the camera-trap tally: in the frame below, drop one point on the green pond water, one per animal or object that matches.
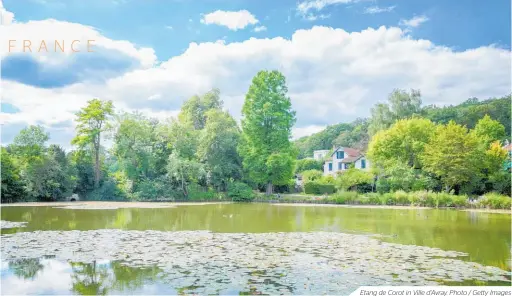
(485, 238)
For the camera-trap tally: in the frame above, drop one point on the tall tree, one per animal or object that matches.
(267, 121)
(401, 104)
(193, 111)
(452, 154)
(30, 143)
(12, 184)
(134, 143)
(403, 143)
(217, 148)
(92, 120)
(488, 131)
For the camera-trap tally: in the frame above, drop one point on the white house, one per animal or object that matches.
(320, 154)
(343, 158)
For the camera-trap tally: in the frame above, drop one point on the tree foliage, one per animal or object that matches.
(92, 120)
(267, 153)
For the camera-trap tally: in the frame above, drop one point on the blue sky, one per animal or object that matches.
(340, 56)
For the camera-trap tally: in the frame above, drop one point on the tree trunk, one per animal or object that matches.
(269, 188)
(97, 166)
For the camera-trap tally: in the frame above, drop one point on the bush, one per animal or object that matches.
(401, 198)
(197, 192)
(306, 164)
(318, 188)
(373, 198)
(387, 199)
(495, 201)
(353, 179)
(158, 189)
(344, 197)
(109, 190)
(240, 192)
(311, 175)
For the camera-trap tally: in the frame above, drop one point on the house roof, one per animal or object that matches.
(351, 152)
(350, 159)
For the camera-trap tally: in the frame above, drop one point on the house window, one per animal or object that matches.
(346, 166)
(330, 166)
(340, 154)
(339, 166)
(363, 163)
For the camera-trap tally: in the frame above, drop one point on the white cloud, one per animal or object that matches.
(305, 6)
(234, 20)
(333, 76)
(377, 9)
(413, 22)
(6, 17)
(169, 27)
(65, 33)
(260, 29)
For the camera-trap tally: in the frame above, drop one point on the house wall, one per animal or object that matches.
(358, 162)
(336, 162)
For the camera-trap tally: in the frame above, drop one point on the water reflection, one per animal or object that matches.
(50, 276)
(486, 237)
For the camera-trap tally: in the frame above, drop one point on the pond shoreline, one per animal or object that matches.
(171, 204)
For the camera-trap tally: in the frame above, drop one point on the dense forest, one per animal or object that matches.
(204, 154)
(357, 134)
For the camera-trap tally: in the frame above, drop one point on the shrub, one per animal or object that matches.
(373, 198)
(311, 175)
(197, 192)
(387, 199)
(495, 201)
(109, 190)
(318, 188)
(460, 201)
(306, 164)
(157, 189)
(401, 197)
(353, 179)
(344, 197)
(240, 192)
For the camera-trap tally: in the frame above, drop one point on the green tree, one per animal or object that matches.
(12, 185)
(183, 172)
(311, 175)
(488, 131)
(30, 143)
(134, 146)
(401, 104)
(402, 143)
(452, 154)
(308, 164)
(353, 178)
(217, 149)
(266, 130)
(193, 112)
(92, 120)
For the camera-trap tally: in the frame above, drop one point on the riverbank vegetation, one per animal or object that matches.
(205, 154)
(400, 198)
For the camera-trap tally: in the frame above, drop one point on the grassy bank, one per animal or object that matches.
(400, 198)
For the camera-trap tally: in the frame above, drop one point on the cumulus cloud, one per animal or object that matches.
(33, 34)
(413, 22)
(377, 9)
(333, 76)
(233, 20)
(6, 17)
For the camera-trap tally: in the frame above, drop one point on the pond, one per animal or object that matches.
(247, 249)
